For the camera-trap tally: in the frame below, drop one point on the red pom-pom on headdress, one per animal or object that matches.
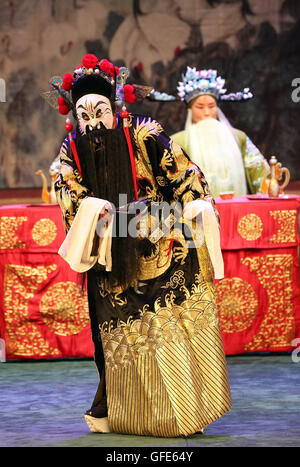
(63, 106)
(128, 89)
(68, 80)
(111, 69)
(63, 109)
(108, 67)
(129, 96)
(104, 65)
(66, 86)
(89, 61)
(61, 101)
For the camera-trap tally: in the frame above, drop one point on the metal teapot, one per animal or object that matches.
(271, 186)
(48, 196)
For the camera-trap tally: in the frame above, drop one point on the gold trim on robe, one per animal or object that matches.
(166, 373)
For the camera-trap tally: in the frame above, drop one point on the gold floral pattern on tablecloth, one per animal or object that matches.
(274, 272)
(286, 219)
(64, 308)
(237, 304)
(23, 336)
(250, 227)
(8, 228)
(44, 232)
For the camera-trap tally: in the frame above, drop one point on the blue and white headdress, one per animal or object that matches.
(200, 82)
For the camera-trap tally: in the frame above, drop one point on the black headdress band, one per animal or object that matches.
(91, 84)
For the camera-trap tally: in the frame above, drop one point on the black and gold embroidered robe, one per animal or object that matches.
(165, 368)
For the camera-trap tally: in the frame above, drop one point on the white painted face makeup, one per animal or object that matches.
(93, 111)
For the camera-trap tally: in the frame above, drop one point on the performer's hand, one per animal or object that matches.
(103, 213)
(105, 216)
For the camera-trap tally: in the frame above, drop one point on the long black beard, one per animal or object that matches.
(106, 172)
(105, 163)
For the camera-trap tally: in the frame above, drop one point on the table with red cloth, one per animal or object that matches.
(43, 306)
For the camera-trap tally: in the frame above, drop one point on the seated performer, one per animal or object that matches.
(158, 348)
(227, 156)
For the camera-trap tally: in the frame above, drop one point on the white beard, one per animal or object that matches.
(214, 149)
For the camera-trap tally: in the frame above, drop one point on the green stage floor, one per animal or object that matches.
(42, 404)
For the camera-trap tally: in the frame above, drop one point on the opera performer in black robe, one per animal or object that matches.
(154, 321)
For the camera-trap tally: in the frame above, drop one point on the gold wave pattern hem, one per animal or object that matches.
(166, 373)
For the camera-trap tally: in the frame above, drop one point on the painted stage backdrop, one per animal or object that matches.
(252, 43)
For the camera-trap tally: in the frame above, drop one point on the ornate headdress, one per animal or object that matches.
(200, 82)
(93, 76)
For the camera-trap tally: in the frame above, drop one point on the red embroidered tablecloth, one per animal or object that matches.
(44, 313)
(259, 298)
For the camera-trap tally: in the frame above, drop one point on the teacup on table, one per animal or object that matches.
(227, 194)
